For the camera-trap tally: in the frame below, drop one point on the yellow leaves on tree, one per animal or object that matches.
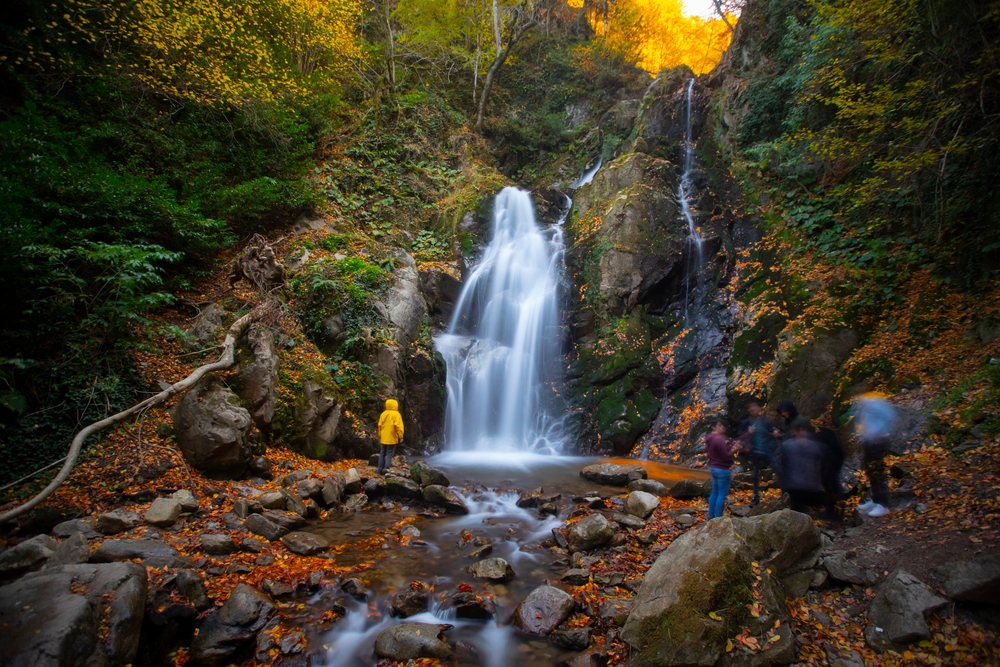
(656, 34)
(220, 51)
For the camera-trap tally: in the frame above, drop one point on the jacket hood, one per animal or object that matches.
(789, 407)
(391, 404)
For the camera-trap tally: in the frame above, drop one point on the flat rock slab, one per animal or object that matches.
(611, 474)
(305, 544)
(543, 610)
(117, 521)
(114, 550)
(629, 521)
(410, 641)
(975, 580)
(73, 615)
(84, 526)
(843, 569)
(649, 486)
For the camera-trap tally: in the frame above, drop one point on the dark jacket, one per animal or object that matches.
(802, 465)
(719, 454)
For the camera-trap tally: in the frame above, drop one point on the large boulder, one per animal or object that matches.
(410, 641)
(898, 615)
(976, 580)
(446, 498)
(31, 554)
(318, 415)
(73, 615)
(401, 487)
(649, 486)
(231, 627)
(543, 610)
(424, 377)
(589, 533)
(404, 304)
(441, 290)
(212, 430)
(410, 603)
(611, 474)
(721, 568)
(258, 379)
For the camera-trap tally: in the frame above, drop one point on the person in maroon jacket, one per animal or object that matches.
(720, 460)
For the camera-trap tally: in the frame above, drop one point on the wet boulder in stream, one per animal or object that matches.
(543, 610)
(410, 641)
(425, 475)
(494, 569)
(410, 603)
(471, 606)
(452, 503)
(611, 474)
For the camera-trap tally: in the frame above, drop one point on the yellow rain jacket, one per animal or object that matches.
(390, 424)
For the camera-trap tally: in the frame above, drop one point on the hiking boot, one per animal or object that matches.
(878, 510)
(867, 506)
(754, 503)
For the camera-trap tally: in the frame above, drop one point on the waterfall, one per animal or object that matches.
(589, 174)
(683, 193)
(502, 347)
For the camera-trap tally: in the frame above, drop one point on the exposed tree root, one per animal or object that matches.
(225, 361)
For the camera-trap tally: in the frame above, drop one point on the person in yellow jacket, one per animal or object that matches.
(390, 432)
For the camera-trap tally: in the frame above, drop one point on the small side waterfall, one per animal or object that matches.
(502, 345)
(589, 174)
(683, 194)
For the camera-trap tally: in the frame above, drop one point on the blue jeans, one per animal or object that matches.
(385, 458)
(720, 489)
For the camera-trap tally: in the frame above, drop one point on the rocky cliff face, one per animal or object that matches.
(652, 314)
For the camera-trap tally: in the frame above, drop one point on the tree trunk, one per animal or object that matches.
(492, 73)
(496, 26)
(722, 13)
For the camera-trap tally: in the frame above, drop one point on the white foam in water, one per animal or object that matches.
(588, 175)
(502, 346)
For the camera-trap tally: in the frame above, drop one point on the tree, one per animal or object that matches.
(524, 17)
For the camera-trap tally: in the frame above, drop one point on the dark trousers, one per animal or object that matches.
(385, 458)
(758, 462)
(800, 501)
(875, 470)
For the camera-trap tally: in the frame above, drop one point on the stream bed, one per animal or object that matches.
(490, 484)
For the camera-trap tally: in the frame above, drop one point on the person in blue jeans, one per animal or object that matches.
(720, 462)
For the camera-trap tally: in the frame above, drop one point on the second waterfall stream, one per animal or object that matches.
(502, 347)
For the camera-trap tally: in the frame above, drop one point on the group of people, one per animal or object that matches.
(806, 461)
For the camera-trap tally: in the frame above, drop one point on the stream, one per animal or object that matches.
(490, 484)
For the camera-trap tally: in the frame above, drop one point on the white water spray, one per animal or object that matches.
(683, 193)
(502, 345)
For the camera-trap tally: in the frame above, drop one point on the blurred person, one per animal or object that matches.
(874, 420)
(762, 434)
(803, 468)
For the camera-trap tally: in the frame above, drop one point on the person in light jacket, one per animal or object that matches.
(390, 432)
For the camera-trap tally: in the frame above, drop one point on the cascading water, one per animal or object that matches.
(683, 194)
(502, 345)
(588, 175)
